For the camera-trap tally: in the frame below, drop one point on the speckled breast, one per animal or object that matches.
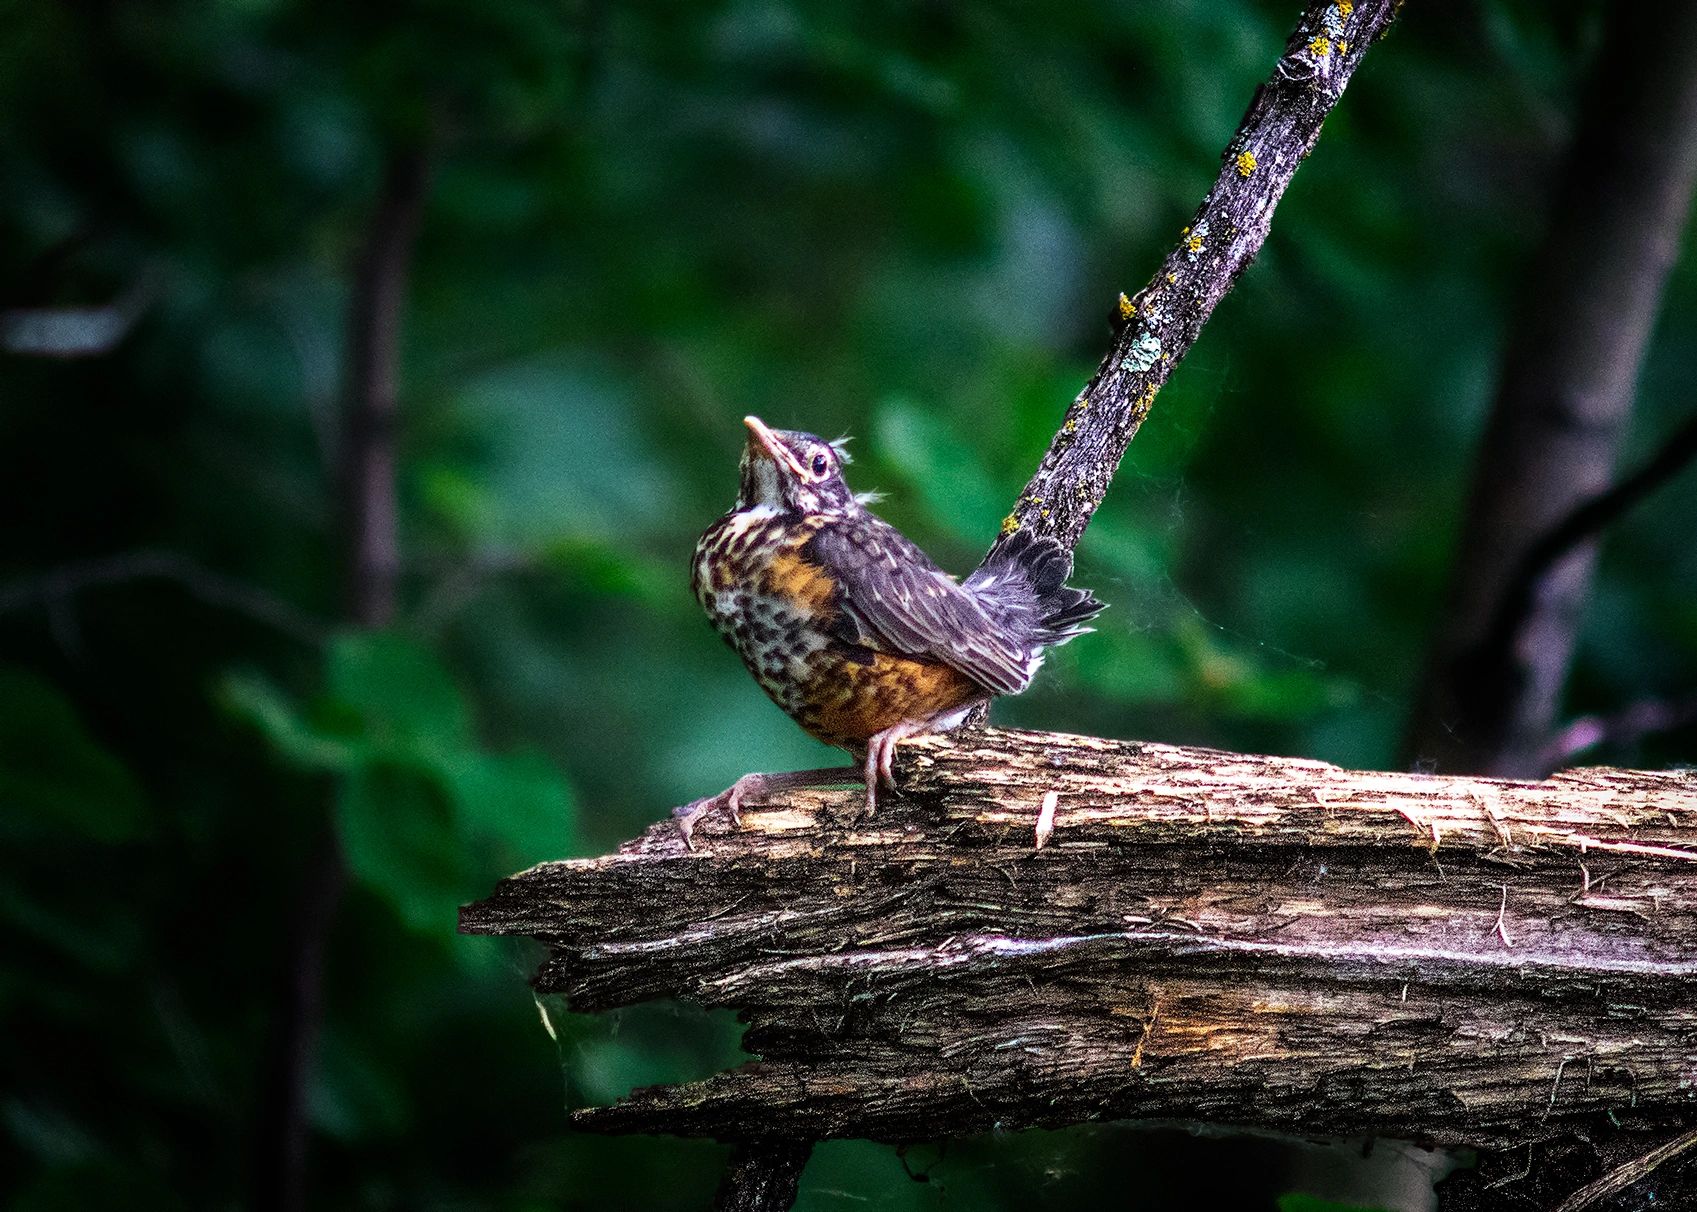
(778, 610)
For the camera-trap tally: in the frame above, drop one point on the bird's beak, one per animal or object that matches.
(759, 435)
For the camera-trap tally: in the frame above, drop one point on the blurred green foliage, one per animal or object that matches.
(902, 221)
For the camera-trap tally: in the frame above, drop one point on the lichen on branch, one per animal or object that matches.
(1156, 328)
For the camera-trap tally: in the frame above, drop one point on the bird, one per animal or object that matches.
(853, 630)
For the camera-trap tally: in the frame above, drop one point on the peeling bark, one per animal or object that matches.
(1205, 936)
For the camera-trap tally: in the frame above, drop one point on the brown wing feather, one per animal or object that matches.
(893, 598)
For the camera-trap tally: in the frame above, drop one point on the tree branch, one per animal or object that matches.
(1158, 327)
(1593, 516)
(1531, 584)
(1206, 936)
(213, 588)
(1630, 723)
(370, 532)
(1634, 1171)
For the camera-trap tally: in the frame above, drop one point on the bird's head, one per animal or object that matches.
(793, 472)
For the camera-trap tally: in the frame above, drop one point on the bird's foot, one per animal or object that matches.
(881, 753)
(731, 799)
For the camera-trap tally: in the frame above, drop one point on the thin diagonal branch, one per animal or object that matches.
(214, 588)
(1631, 723)
(1595, 515)
(1634, 1171)
(1582, 524)
(1158, 327)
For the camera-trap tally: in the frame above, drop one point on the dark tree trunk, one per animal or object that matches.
(763, 1176)
(370, 551)
(1504, 645)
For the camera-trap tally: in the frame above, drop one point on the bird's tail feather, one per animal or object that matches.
(1037, 566)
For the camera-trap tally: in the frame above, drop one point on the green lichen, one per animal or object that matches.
(1144, 353)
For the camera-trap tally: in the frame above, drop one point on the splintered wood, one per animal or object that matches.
(1203, 935)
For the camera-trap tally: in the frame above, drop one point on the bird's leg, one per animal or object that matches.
(881, 751)
(731, 798)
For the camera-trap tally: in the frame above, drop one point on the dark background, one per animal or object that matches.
(902, 221)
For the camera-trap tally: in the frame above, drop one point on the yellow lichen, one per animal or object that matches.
(1069, 426)
(1246, 163)
(1194, 244)
(1010, 524)
(1127, 309)
(1321, 46)
(1345, 8)
(1171, 278)
(1343, 48)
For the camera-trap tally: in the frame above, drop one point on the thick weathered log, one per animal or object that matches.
(1204, 936)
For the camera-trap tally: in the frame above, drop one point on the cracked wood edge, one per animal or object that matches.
(1206, 936)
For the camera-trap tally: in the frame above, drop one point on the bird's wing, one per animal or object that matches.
(892, 598)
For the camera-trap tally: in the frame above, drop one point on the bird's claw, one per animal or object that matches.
(729, 800)
(880, 759)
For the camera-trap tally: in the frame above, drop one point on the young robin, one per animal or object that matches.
(852, 629)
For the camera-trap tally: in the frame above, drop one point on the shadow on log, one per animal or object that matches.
(1259, 941)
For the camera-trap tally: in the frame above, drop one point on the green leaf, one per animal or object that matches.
(942, 469)
(355, 1095)
(519, 801)
(280, 721)
(394, 696)
(54, 777)
(1297, 1201)
(398, 835)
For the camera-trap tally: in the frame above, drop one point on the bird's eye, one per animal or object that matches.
(820, 464)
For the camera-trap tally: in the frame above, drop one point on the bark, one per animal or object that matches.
(763, 1176)
(1207, 936)
(1506, 641)
(1157, 327)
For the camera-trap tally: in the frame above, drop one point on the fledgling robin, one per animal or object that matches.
(852, 629)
